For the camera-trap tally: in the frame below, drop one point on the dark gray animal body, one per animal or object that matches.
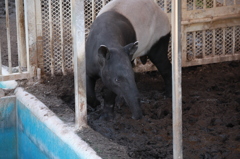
(124, 30)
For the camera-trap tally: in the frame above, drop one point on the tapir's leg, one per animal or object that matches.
(91, 96)
(159, 57)
(109, 103)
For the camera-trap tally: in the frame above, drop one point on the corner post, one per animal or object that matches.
(78, 33)
(177, 80)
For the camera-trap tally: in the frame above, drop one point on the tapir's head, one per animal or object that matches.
(118, 75)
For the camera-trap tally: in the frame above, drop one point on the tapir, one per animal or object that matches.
(123, 31)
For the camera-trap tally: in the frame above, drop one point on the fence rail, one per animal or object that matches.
(23, 69)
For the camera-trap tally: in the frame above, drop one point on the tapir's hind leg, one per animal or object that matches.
(91, 95)
(159, 57)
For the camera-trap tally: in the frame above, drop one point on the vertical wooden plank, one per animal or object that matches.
(204, 4)
(165, 6)
(194, 4)
(62, 39)
(194, 44)
(39, 33)
(8, 38)
(224, 41)
(78, 33)
(176, 80)
(0, 58)
(233, 37)
(21, 41)
(30, 31)
(51, 36)
(214, 43)
(93, 10)
(103, 3)
(203, 44)
(214, 3)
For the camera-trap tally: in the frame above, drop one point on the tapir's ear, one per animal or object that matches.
(131, 48)
(103, 52)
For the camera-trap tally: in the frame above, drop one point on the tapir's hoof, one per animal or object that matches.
(96, 103)
(107, 116)
(168, 93)
(137, 116)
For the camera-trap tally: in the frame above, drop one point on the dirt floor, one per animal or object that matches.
(211, 113)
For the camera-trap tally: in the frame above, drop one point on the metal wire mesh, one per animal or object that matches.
(229, 40)
(237, 40)
(199, 44)
(217, 42)
(209, 42)
(46, 37)
(51, 11)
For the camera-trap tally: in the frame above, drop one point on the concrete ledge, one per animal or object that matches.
(65, 132)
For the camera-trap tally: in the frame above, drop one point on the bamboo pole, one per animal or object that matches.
(8, 38)
(78, 33)
(176, 80)
(62, 39)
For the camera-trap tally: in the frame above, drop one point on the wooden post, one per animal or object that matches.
(22, 59)
(0, 58)
(51, 37)
(62, 38)
(93, 10)
(78, 33)
(176, 80)
(31, 37)
(8, 38)
(39, 34)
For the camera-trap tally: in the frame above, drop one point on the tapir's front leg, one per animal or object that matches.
(91, 95)
(109, 103)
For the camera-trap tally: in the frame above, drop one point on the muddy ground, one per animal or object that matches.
(211, 112)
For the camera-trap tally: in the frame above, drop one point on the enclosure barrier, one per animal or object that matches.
(24, 69)
(210, 31)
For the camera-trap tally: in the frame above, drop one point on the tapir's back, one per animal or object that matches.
(149, 21)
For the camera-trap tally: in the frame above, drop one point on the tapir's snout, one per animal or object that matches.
(135, 107)
(137, 115)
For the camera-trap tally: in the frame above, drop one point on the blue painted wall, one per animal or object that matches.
(8, 136)
(24, 136)
(33, 132)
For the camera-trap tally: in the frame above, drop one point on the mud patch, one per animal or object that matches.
(211, 111)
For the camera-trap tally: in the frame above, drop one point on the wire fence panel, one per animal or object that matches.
(210, 31)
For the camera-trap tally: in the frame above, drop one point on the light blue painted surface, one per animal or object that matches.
(34, 132)
(23, 136)
(8, 138)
